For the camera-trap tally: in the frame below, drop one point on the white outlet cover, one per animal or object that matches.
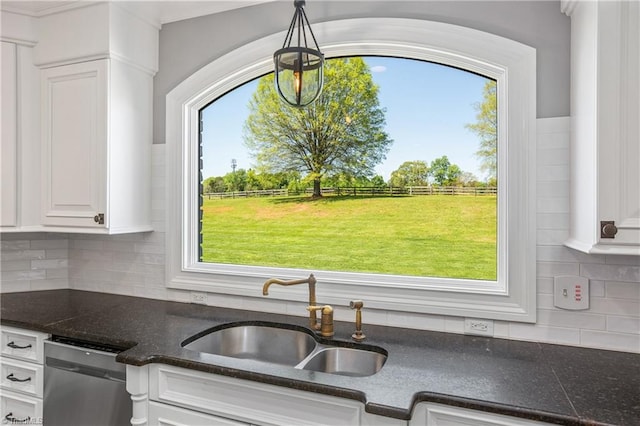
(479, 327)
(199, 298)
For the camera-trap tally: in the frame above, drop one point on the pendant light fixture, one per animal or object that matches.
(299, 68)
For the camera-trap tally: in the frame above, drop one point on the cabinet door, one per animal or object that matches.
(247, 401)
(619, 135)
(8, 141)
(20, 409)
(168, 415)
(20, 376)
(74, 136)
(605, 130)
(22, 344)
(428, 414)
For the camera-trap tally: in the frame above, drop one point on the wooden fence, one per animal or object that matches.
(246, 194)
(365, 191)
(452, 190)
(409, 190)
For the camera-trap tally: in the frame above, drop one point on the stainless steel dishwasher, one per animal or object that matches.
(84, 385)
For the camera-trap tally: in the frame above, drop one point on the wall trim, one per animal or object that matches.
(504, 60)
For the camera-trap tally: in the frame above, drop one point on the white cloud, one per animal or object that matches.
(378, 68)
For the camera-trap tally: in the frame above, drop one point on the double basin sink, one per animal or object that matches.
(295, 347)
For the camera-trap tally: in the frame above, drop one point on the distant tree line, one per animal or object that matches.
(440, 172)
(251, 180)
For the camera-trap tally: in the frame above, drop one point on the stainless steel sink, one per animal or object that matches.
(345, 361)
(257, 342)
(285, 346)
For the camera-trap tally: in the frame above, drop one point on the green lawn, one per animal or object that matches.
(440, 236)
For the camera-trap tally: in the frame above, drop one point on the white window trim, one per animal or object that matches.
(512, 297)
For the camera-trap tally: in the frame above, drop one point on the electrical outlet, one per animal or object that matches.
(480, 327)
(199, 298)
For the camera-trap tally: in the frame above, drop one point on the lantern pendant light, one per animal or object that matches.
(299, 68)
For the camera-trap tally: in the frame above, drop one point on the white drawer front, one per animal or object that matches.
(429, 414)
(16, 408)
(21, 376)
(23, 344)
(248, 401)
(168, 415)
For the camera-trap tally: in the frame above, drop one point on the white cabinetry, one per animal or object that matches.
(168, 415)
(19, 150)
(605, 133)
(246, 401)
(21, 383)
(77, 120)
(429, 414)
(9, 141)
(167, 395)
(96, 147)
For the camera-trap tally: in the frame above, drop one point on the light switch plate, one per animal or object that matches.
(571, 292)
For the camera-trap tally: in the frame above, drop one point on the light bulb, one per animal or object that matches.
(297, 83)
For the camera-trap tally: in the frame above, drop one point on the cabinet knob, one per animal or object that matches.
(99, 218)
(608, 229)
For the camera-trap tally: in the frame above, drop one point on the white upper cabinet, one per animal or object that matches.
(96, 147)
(8, 141)
(77, 100)
(20, 116)
(96, 120)
(74, 149)
(605, 134)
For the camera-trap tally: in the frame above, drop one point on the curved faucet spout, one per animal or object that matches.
(265, 288)
(311, 280)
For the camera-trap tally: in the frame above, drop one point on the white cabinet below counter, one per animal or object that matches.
(168, 415)
(21, 384)
(96, 147)
(168, 395)
(179, 396)
(430, 414)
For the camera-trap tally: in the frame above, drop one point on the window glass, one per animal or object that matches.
(392, 171)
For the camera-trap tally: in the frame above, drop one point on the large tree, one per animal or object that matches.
(443, 172)
(342, 132)
(410, 173)
(486, 127)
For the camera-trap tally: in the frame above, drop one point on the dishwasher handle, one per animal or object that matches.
(87, 370)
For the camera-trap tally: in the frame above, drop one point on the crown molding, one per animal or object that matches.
(568, 6)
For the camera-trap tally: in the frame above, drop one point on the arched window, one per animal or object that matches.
(404, 170)
(508, 294)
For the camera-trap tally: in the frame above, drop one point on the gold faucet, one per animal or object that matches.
(358, 335)
(326, 323)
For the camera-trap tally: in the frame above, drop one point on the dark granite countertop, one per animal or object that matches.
(551, 383)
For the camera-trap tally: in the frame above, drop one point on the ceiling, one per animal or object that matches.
(159, 11)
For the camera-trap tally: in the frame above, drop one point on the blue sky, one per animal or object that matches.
(427, 107)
